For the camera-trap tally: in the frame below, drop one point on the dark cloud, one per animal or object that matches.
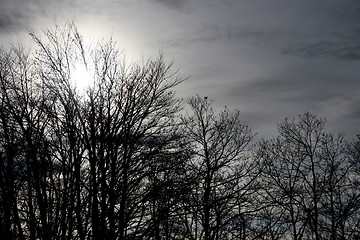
(7, 23)
(20, 15)
(339, 50)
(176, 4)
(249, 35)
(216, 33)
(289, 91)
(333, 33)
(331, 92)
(14, 18)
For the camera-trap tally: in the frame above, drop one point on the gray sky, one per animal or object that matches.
(270, 59)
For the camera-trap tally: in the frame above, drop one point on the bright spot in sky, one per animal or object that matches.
(81, 76)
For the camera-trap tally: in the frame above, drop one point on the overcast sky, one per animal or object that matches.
(270, 59)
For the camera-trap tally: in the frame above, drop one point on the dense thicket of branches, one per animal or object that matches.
(119, 160)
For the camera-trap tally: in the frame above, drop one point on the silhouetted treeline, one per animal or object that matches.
(120, 160)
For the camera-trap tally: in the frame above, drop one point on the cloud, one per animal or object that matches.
(342, 113)
(215, 33)
(7, 23)
(175, 4)
(13, 19)
(333, 32)
(19, 15)
(349, 51)
(271, 59)
(264, 102)
(344, 106)
(251, 35)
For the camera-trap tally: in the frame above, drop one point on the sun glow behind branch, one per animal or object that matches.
(81, 76)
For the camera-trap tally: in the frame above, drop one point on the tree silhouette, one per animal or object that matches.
(309, 174)
(120, 160)
(84, 158)
(224, 171)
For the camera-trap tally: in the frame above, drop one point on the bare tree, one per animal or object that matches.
(23, 118)
(223, 168)
(11, 166)
(309, 177)
(283, 184)
(76, 164)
